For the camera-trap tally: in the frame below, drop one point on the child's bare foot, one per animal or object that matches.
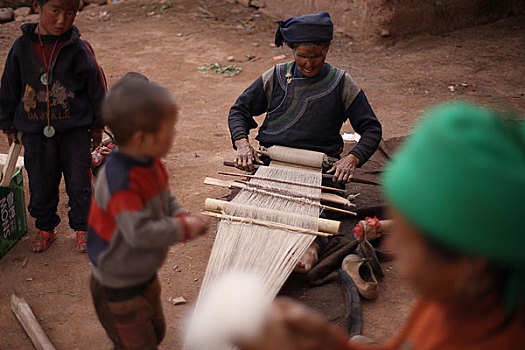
(309, 259)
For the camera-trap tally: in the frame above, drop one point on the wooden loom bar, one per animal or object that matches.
(282, 181)
(325, 176)
(297, 199)
(325, 225)
(269, 224)
(327, 197)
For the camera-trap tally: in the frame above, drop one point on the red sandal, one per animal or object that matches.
(81, 241)
(42, 241)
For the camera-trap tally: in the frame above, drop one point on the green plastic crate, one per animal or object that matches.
(13, 222)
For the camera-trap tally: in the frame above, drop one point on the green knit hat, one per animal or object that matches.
(460, 178)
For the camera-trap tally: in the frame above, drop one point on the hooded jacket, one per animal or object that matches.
(76, 85)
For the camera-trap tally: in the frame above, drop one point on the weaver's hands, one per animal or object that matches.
(291, 326)
(344, 169)
(96, 137)
(197, 225)
(245, 155)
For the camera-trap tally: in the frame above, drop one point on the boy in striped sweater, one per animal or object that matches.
(134, 218)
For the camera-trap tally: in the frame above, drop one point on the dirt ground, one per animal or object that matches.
(483, 64)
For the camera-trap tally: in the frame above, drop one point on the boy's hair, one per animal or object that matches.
(43, 2)
(135, 104)
(133, 75)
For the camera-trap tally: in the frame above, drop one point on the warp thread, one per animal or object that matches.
(268, 252)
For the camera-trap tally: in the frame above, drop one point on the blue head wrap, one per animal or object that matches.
(307, 28)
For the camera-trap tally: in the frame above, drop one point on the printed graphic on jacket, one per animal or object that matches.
(58, 95)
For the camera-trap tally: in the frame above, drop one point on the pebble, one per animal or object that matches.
(6, 14)
(21, 12)
(230, 58)
(104, 16)
(177, 300)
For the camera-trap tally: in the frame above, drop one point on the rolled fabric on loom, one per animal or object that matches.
(297, 156)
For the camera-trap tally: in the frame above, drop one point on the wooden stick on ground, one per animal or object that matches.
(282, 181)
(269, 224)
(27, 319)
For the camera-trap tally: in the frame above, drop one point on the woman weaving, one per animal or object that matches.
(306, 102)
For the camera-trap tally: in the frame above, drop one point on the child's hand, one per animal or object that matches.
(196, 225)
(105, 151)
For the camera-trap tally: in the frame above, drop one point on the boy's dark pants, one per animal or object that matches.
(45, 160)
(132, 317)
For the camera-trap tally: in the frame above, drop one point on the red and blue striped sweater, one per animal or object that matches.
(132, 222)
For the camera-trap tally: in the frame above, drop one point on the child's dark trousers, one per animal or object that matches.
(45, 160)
(132, 317)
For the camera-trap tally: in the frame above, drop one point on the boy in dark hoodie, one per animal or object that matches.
(52, 89)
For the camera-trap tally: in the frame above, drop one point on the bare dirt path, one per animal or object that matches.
(400, 79)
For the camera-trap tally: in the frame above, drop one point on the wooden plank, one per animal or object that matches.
(27, 319)
(222, 183)
(333, 198)
(19, 161)
(9, 168)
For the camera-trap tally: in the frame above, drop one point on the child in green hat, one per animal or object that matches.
(456, 191)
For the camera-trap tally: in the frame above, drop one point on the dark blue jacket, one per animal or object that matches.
(76, 85)
(306, 113)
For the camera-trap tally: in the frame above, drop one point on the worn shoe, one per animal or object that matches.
(361, 273)
(366, 251)
(81, 241)
(41, 241)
